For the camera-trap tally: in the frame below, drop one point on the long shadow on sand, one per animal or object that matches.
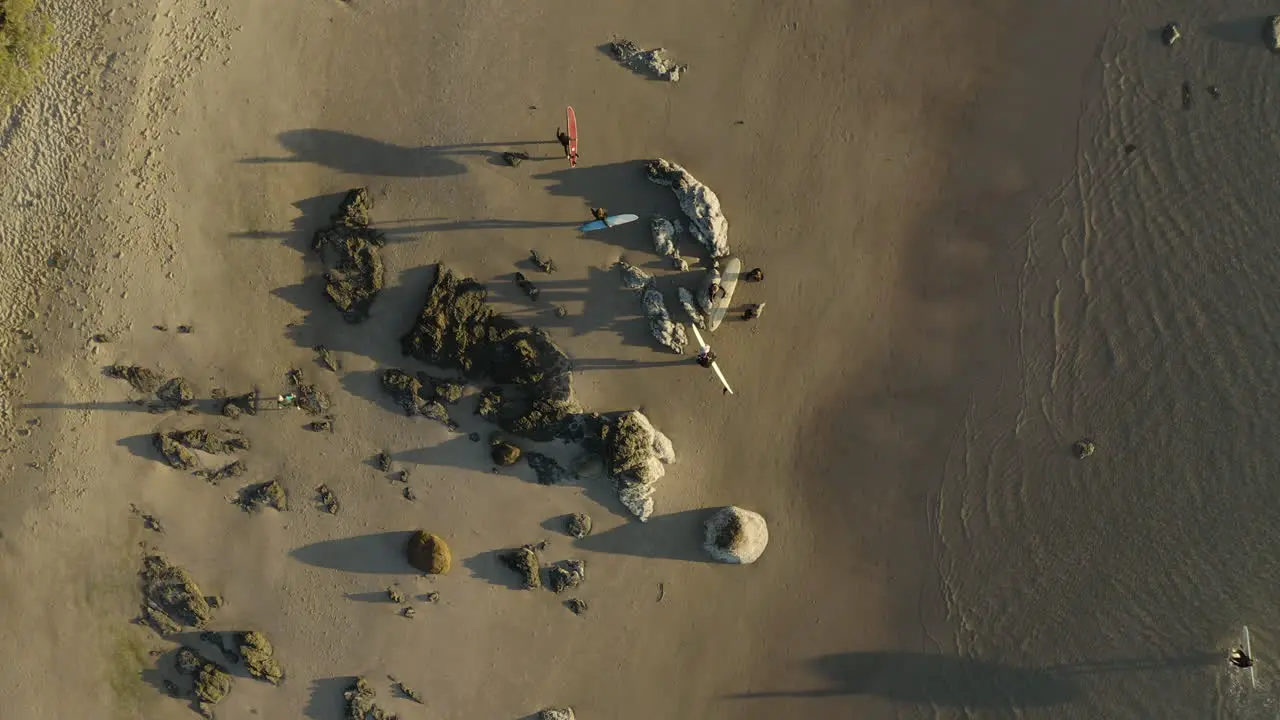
(358, 155)
(327, 701)
(488, 566)
(376, 553)
(674, 536)
(620, 188)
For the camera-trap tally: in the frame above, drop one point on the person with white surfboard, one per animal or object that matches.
(1239, 658)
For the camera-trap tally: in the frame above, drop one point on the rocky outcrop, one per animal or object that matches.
(635, 456)
(736, 536)
(669, 334)
(524, 561)
(665, 233)
(210, 683)
(707, 223)
(171, 598)
(259, 657)
(690, 306)
(653, 63)
(349, 249)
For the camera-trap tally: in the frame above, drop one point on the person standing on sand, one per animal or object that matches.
(706, 357)
(564, 141)
(1239, 658)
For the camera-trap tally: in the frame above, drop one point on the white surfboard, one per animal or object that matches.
(727, 278)
(715, 367)
(1253, 675)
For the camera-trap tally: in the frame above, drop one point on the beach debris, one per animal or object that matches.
(328, 501)
(458, 329)
(225, 442)
(175, 394)
(361, 702)
(635, 455)
(265, 494)
(384, 462)
(665, 233)
(524, 562)
(527, 287)
(695, 315)
(576, 606)
(566, 575)
(578, 525)
(667, 332)
(171, 598)
(1271, 33)
(546, 469)
(230, 470)
(556, 713)
(406, 691)
(542, 262)
(409, 392)
(633, 278)
(259, 657)
(514, 157)
(503, 453)
(653, 63)
(394, 595)
(1170, 34)
(349, 249)
(174, 453)
(701, 207)
(429, 553)
(326, 358)
(736, 536)
(753, 311)
(141, 379)
(1083, 448)
(210, 683)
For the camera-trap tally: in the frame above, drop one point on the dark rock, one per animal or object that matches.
(443, 391)
(327, 359)
(186, 329)
(144, 380)
(311, 399)
(260, 495)
(547, 470)
(578, 607)
(349, 249)
(653, 63)
(473, 437)
(514, 158)
(542, 262)
(230, 470)
(504, 453)
(408, 692)
(247, 404)
(527, 287)
(171, 597)
(1083, 448)
(524, 561)
(320, 426)
(384, 462)
(1186, 95)
(409, 494)
(259, 657)
(214, 443)
(429, 553)
(567, 575)
(1170, 34)
(211, 683)
(405, 389)
(578, 525)
(176, 393)
(361, 703)
(1130, 148)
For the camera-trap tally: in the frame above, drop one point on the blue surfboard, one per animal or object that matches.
(611, 221)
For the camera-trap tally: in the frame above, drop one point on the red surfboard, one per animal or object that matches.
(573, 137)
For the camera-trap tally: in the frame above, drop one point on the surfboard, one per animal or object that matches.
(608, 222)
(572, 122)
(1253, 675)
(715, 367)
(727, 277)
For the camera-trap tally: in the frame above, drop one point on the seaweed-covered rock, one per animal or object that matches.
(556, 714)
(174, 453)
(736, 536)
(707, 223)
(362, 703)
(259, 657)
(669, 334)
(578, 525)
(404, 388)
(504, 453)
(144, 380)
(210, 683)
(448, 392)
(458, 329)
(546, 469)
(653, 63)
(349, 249)
(524, 561)
(429, 553)
(215, 443)
(265, 494)
(171, 596)
(567, 575)
(635, 455)
(695, 315)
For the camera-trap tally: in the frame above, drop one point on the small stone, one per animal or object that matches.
(431, 597)
(103, 338)
(578, 525)
(403, 476)
(1130, 148)
(161, 328)
(384, 462)
(562, 311)
(556, 714)
(577, 606)
(1170, 34)
(186, 329)
(408, 692)
(320, 426)
(567, 575)
(542, 262)
(408, 612)
(1083, 448)
(395, 596)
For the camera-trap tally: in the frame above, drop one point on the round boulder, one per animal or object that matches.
(429, 553)
(736, 536)
(504, 453)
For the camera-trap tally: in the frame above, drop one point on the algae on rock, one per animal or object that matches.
(171, 598)
(259, 657)
(349, 249)
(210, 683)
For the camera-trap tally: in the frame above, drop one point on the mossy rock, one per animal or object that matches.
(258, 656)
(210, 683)
(504, 453)
(429, 553)
(171, 592)
(578, 525)
(524, 561)
(1083, 448)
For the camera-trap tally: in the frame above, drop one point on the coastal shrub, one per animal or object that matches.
(26, 40)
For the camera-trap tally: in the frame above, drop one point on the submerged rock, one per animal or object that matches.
(210, 683)
(429, 553)
(524, 561)
(737, 536)
(171, 597)
(259, 657)
(349, 249)
(707, 223)
(458, 329)
(669, 334)
(653, 63)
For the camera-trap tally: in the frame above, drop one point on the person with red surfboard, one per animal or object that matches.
(570, 140)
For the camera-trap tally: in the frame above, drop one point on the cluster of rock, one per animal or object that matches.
(210, 683)
(736, 536)
(707, 223)
(172, 394)
(177, 446)
(635, 456)
(556, 714)
(667, 332)
(263, 495)
(171, 599)
(654, 63)
(422, 395)
(349, 249)
(362, 702)
(665, 236)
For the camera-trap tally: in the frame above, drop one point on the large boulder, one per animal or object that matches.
(429, 553)
(635, 455)
(259, 657)
(736, 536)
(707, 223)
(172, 599)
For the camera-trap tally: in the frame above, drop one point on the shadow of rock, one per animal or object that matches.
(488, 566)
(620, 188)
(313, 213)
(359, 155)
(458, 451)
(1249, 30)
(945, 680)
(674, 536)
(376, 553)
(143, 446)
(327, 701)
(369, 597)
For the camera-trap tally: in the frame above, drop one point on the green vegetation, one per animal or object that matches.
(25, 42)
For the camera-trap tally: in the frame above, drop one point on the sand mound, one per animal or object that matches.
(259, 657)
(171, 598)
(429, 553)
(700, 205)
(736, 536)
(349, 250)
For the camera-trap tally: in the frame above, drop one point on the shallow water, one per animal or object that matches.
(1146, 316)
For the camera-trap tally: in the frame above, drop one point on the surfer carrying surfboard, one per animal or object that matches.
(600, 214)
(706, 356)
(1239, 658)
(564, 141)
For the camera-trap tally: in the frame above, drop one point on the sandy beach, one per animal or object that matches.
(174, 169)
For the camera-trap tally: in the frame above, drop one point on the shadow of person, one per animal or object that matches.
(489, 567)
(947, 680)
(376, 553)
(674, 536)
